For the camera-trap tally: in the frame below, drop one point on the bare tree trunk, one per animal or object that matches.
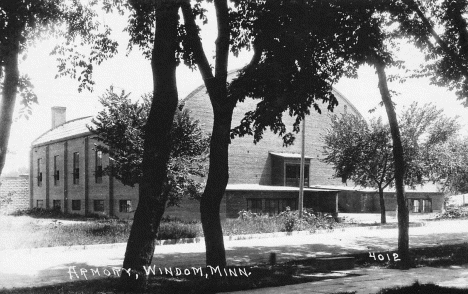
(8, 98)
(383, 218)
(403, 218)
(218, 177)
(157, 147)
(218, 174)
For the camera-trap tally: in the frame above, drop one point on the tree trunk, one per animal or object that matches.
(218, 177)
(403, 218)
(157, 147)
(218, 173)
(383, 218)
(8, 98)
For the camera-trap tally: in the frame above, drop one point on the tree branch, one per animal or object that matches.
(412, 4)
(222, 42)
(194, 38)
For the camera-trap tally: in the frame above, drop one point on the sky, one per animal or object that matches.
(132, 73)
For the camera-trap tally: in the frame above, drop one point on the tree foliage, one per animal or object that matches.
(449, 165)
(301, 48)
(362, 152)
(22, 23)
(359, 152)
(439, 29)
(120, 127)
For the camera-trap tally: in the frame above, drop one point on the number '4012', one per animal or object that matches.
(382, 257)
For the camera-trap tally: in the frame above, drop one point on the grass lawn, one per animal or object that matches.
(49, 228)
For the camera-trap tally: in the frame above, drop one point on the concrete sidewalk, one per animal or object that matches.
(45, 266)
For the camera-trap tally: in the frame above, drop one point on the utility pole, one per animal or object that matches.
(301, 175)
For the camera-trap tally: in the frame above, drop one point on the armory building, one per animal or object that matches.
(66, 171)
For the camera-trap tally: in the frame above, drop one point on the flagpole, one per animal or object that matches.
(301, 180)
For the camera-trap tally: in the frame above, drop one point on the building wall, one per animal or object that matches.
(250, 163)
(56, 188)
(321, 201)
(39, 190)
(86, 189)
(189, 210)
(358, 201)
(14, 194)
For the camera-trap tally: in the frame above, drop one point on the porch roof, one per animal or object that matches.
(256, 187)
(289, 155)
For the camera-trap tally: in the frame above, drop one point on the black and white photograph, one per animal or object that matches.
(233, 146)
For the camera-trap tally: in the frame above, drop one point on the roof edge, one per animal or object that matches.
(338, 93)
(33, 144)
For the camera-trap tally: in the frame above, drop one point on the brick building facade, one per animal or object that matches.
(264, 177)
(14, 194)
(66, 172)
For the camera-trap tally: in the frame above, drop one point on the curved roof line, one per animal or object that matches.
(52, 129)
(349, 102)
(230, 73)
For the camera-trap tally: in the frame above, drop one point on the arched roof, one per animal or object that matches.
(233, 73)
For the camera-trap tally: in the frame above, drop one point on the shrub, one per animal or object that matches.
(177, 230)
(453, 212)
(286, 221)
(55, 212)
(39, 212)
(291, 221)
(251, 223)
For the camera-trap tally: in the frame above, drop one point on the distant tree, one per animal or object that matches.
(22, 23)
(120, 127)
(423, 128)
(449, 165)
(361, 152)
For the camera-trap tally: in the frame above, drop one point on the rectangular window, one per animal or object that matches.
(426, 205)
(416, 205)
(99, 205)
(98, 167)
(293, 175)
(39, 172)
(76, 168)
(76, 204)
(276, 206)
(254, 205)
(57, 204)
(125, 205)
(287, 202)
(56, 171)
(40, 203)
(272, 206)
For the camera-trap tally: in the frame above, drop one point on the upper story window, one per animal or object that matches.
(39, 172)
(76, 168)
(56, 171)
(293, 175)
(98, 167)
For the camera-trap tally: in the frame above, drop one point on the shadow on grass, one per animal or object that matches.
(417, 288)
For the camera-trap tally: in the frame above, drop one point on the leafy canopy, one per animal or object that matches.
(301, 48)
(359, 151)
(362, 152)
(121, 126)
(70, 22)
